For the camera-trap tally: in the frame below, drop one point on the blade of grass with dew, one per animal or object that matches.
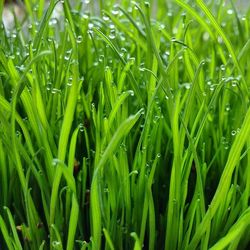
(133, 80)
(72, 223)
(234, 233)
(13, 228)
(123, 129)
(6, 235)
(108, 239)
(226, 41)
(225, 179)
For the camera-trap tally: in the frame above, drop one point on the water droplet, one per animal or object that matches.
(230, 12)
(21, 68)
(166, 97)
(156, 119)
(81, 127)
(158, 155)
(56, 244)
(132, 60)
(220, 40)
(101, 57)
(222, 67)
(55, 91)
(234, 83)
(187, 85)
(79, 39)
(55, 162)
(105, 18)
(131, 92)
(227, 109)
(90, 26)
(212, 87)
(112, 35)
(233, 133)
(206, 36)
(53, 21)
(115, 12)
(161, 27)
(238, 130)
(68, 54)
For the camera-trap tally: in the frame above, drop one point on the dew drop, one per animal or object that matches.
(55, 91)
(233, 133)
(68, 54)
(81, 127)
(234, 83)
(222, 67)
(206, 36)
(131, 92)
(158, 155)
(105, 18)
(79, 39)
(227, 109)
(52, 21)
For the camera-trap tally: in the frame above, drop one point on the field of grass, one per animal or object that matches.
(125, 126)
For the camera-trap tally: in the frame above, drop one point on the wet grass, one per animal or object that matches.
(125, 127)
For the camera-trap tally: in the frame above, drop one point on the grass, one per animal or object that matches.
(125, 126)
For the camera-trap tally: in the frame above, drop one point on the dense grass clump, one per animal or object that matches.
(125, 126)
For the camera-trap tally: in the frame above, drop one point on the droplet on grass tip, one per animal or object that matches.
(233, 133)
